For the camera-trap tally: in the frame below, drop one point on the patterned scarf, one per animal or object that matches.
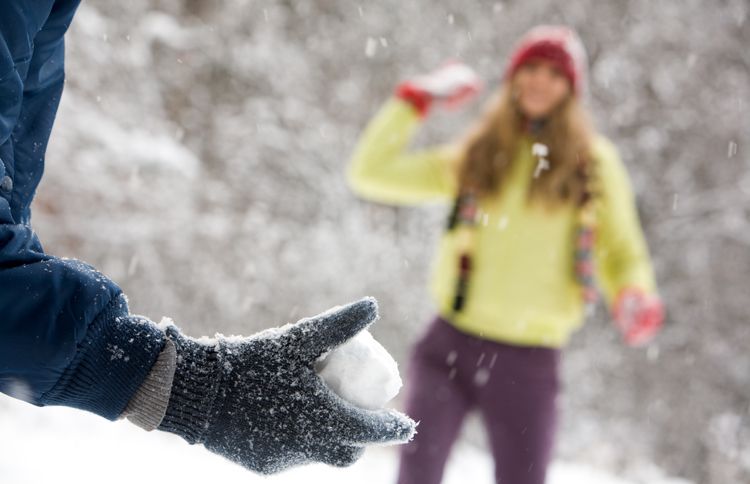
(464, 219)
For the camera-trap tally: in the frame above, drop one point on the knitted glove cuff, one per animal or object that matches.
(195, 387)
(149, 404)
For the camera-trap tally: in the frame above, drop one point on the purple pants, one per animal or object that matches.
(513, 387)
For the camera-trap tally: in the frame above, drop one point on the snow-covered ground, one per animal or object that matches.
(60, 445)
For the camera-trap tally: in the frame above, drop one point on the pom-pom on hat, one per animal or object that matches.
(557, 44)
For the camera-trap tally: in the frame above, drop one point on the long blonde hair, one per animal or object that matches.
(488, 150)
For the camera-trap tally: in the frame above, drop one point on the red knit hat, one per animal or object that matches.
(557, 44)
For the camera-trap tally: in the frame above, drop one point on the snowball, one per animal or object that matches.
(449, 79)
(361, 372)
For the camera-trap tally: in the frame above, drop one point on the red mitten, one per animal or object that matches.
(451, 85)
(638, 315)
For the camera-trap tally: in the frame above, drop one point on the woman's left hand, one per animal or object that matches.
(638, 315)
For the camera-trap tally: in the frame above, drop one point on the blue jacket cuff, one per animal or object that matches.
(110, 364)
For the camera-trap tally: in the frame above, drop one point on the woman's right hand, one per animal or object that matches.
(451, 86)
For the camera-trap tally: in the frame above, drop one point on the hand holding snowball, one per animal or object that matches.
(258, 401)
(451, 86)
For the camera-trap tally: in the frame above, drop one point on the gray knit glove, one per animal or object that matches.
(258, 401)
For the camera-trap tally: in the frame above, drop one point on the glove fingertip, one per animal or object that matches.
(362, 310)
(409, 430)
(335, 327)
(369, 308)
(402, 429)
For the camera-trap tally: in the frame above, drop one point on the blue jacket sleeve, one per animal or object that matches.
(66, 337)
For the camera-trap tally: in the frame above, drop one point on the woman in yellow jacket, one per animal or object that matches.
(542, 207)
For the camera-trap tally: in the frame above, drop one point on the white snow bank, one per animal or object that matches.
(64, 446)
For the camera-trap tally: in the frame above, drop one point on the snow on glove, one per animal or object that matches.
(638, 315)
(451, 85)
(258, 401)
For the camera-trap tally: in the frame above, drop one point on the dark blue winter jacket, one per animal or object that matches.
(65, 334)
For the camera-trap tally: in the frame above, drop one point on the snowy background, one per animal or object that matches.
(199, 158)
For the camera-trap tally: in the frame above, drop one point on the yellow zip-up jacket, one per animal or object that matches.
(522, 289)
